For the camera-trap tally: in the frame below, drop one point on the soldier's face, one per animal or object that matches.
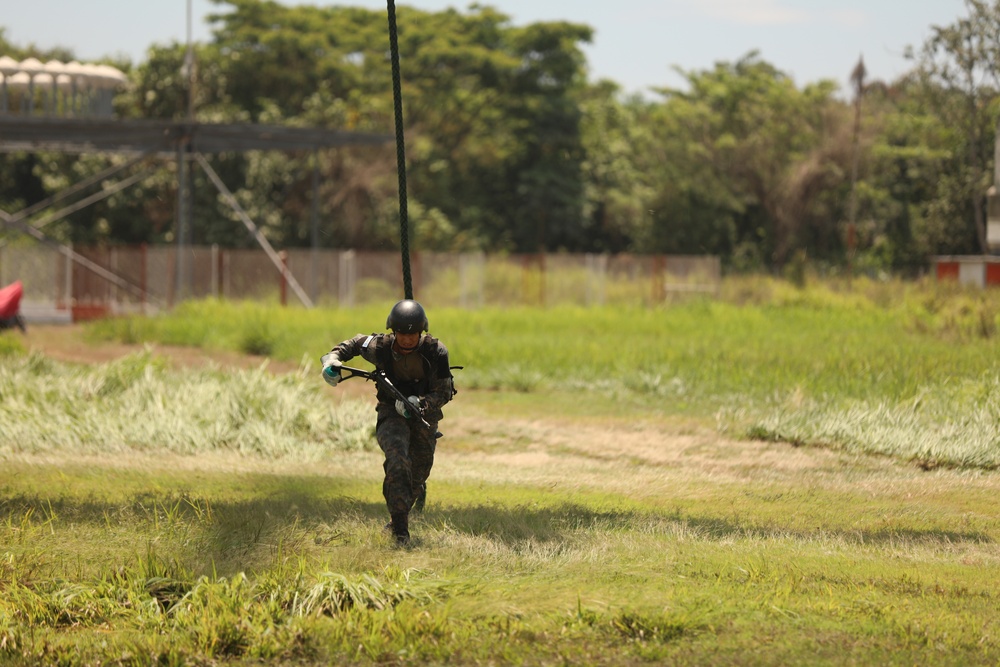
(407, 342)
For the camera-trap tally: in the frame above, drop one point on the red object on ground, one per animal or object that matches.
(10, 299)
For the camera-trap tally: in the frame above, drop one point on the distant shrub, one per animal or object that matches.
(257, 337)
(11, 345)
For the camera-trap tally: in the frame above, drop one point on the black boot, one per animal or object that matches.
(421, 499)
(400, 527)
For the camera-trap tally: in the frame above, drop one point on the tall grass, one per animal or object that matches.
(956, 423)
(906, 369)
(135, 404)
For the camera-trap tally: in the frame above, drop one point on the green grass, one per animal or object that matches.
(595, 501)
(11, 344)
(907, 370)
(139, 561)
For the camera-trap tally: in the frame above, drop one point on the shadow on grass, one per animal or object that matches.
(513, 524)
(283, 513)
(204, 533)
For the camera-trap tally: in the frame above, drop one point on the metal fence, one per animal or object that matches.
(154, 278)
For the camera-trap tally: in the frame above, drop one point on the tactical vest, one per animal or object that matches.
(430, 365)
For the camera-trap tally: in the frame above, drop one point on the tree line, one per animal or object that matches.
(510, 147)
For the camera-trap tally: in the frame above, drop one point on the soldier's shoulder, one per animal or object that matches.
(435, 344)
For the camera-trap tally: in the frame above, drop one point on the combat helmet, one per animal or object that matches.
(407, 316)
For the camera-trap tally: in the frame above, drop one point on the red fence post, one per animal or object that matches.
(659, 278)
(143, 274)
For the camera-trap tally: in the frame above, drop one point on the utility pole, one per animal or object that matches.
(858, 79)
(184, 198)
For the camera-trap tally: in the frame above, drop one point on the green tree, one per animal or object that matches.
(493, 131)
(618, 171)
(958, 66)
(755, 158)
(904, 160)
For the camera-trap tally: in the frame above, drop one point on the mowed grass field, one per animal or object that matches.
(775, 476)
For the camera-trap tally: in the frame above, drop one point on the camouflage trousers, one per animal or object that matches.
(409, 456)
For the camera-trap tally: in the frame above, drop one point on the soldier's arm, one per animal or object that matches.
(340, 353)
(350, 348)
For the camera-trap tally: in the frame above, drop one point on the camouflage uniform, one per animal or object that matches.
(408, 446)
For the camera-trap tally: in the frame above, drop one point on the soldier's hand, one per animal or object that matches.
(331, 368)
(403, 409)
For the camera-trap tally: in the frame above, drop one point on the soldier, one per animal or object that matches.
(417, 364)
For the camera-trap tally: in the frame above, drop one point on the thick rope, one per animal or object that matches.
(404, 234)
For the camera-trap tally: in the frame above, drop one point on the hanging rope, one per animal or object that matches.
(404, 233)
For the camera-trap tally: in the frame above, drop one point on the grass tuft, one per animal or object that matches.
(136, 404)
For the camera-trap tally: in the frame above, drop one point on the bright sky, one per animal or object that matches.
(637, 42)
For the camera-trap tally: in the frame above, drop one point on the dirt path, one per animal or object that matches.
(66, 342)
